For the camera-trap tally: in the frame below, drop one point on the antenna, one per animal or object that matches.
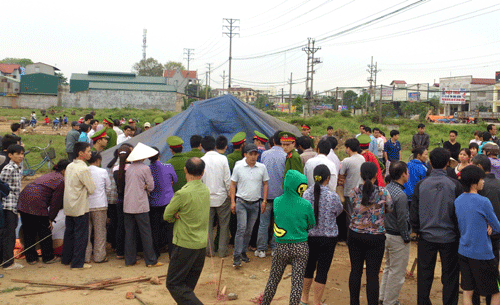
(144, 46)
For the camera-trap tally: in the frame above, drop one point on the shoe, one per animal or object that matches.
(54, 260)
(32, 262)
(260, 254)
(120, 257)
(158, 264)
(85, 266)
(14, 266)
(237, 262)
(245, 258)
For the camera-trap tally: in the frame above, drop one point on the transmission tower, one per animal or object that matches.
(144, 46)
(372, 79)
(231, 27)
(311, 61)
(188, 53)
(209, 72)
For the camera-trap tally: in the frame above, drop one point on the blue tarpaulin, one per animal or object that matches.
(225, 115)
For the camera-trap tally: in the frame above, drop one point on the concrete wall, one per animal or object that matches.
(98, 99)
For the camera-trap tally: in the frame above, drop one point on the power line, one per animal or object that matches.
(278, 17)
(232, 28)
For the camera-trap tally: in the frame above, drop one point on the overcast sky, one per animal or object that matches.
(427, 41)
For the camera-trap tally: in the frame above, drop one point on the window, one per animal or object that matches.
(481, 94)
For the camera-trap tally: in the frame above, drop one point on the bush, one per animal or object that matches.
(345, 113)
(329, 114)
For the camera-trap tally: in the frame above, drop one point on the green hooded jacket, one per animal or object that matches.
(293, 215)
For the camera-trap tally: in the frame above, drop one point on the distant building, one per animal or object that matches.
(247, 95)
(10, 75)
(40, 67)
(465, 93)
(180, 79)
(40, 78)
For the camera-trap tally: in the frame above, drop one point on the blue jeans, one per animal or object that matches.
(246, 215)
(263, 235)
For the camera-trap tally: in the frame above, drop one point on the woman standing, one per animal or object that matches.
(366, 239)
(417, 170)
(119, 177)
(464, 157)
(322, 239)
(164, 177)
(138, 183)
(293, 218)
(38, 204)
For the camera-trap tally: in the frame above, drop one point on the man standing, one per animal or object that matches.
(247, 181)
(274, 159)
(71, 138)
(137, 129)
(492, 129)
(306, 131)
(323, 150)
(195, 142)
(108, 125)
(332, 156)
(178, 160)
(373, 148)
(78, 185)
(329, 133)
(100, 140)
(452, 145)
(432, 216)
(361, 130)
(420, 138)
(293, 160)
(93, 128)
(189, 210)
(392, 149)
(397, 236)
(116, 127)
(380, 144)
(260, 140)
(217, 178)
(127, 134)
(305, 150)
(238, 141)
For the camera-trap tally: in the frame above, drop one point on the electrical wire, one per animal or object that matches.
(278, 17)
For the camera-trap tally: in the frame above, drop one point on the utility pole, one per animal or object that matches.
(380, 107)
(144, 46)
(206, 85)
(290, 95)
(231, 27)
(372, 69)
(311, 61)
(223, 79)
(282, 96)
(188, 53)
(209, 73)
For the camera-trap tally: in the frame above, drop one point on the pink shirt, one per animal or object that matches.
(138, 182)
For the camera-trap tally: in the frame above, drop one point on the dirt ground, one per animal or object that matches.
(248, 282)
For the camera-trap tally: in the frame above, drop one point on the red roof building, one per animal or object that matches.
(483, 81)
(185, 74)
(8, 69)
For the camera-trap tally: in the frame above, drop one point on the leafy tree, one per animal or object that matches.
(206, 92)
(148, 67)
(172, 65)
(298, 102)
(362, 100)
(435, 104)
(23, 62)
(350, 97)
(194, 90)
(63, 80)
(187, 102)
(261, 101)
(411, 108)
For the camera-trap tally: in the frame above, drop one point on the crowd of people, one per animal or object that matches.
(283, 195)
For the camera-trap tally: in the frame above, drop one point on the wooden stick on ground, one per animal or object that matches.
(220, 277)
(139, 299)
(51, 284)
(414, 266)
(144, 279)
(90, 284)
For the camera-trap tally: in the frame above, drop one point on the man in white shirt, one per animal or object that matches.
(380, 144)
(323, 149)
(251, 180)
(217, 178)
(116, 127)
(98, 208)
(128, 132)
(332, 156)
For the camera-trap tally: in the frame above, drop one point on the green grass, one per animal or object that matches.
(11, 289)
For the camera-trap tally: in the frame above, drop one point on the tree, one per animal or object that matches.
(148, 67)
(362, 100)
(350, 98)
(23, 62)
(411, 108)
(262, 101)
(63, 80)
(298, 102)
(172, 65)
(206, 92)
(193, 90)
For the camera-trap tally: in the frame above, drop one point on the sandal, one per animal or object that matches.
(105, 260)
(54, 260)
(120, 257)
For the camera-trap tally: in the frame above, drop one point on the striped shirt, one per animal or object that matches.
(11, 174)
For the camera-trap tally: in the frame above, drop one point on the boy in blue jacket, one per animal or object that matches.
(476, 221)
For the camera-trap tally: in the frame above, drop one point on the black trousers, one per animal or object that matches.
(495, 243)
(76, 238)
(37, 227)
(8, 235)
(120, 229)
(183, 273)
(162, 231)
(427, 255)
(363, 248)
(321, 251)
(112, 225)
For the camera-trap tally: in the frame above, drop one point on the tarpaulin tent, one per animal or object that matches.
(225, 115)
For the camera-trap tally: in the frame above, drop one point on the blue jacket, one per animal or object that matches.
(417, 171)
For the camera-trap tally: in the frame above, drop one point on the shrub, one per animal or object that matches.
(345, 113)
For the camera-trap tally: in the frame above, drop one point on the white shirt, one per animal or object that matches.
(311, 165)
(98, 198)
(380, 146)
(121, 138)
(117, 130)
(217, 177)
(249, 180)
(332, 156)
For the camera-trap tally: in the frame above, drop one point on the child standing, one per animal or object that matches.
(476, 220)
(11, 174)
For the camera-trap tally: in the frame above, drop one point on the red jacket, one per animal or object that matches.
(370, 157)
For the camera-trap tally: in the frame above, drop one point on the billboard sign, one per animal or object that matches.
(342, 107)
(453, 96)
(413, 96)
(322, 107)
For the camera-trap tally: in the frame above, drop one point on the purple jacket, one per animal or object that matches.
(163, 176)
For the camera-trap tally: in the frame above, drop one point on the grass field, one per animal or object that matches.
(347, 125)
